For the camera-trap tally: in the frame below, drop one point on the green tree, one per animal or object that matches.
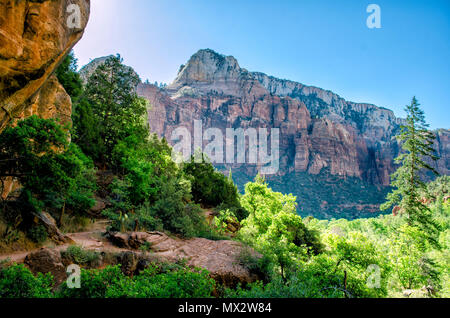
(69, 78)
(417, 144)
(274, 228)
(413, 268)
(52, 172)
(211, 188)
(109, 111)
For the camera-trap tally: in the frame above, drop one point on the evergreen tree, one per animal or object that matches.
(69, 78)
(212, 188)
(109, 111)
(417, 143)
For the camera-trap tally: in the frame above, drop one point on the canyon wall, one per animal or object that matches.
(35, 36)
(322, 135)
(335, 156)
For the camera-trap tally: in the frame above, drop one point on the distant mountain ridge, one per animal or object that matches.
(324, 139)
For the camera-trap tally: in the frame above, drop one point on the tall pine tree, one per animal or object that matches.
(109, 111)
(417, 144)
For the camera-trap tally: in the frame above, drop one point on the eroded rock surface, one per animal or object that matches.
(46, 220)
(34, 38)
(47, 261)
(321, 134)
(220, 258)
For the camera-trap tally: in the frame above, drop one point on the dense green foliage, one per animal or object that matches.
(376, 257)
(274, 228)
(150, 190)
(18, 282)
(54, 174)
(80, 256)
(211, 188)
(69, 77)
(155, 282)
(109, 111)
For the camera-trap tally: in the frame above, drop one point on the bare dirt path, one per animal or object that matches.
(91, 240)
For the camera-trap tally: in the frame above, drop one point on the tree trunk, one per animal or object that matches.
(62, 214)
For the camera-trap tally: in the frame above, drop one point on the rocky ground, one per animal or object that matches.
(220, 258)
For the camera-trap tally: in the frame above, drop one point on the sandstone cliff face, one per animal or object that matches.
(442, 147)
(319, 130)
(34, 38)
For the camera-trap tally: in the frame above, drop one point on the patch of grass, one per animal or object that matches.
(80, 256)
(14, 240)
(75, 224)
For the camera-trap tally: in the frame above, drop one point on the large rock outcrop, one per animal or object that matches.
(34, 38)
(220, 258)
(47, 261)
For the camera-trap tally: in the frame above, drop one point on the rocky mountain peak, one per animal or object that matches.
(207, 66)
(89, 69)
(208, 71)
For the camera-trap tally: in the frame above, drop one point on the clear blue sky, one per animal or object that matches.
(315, 42)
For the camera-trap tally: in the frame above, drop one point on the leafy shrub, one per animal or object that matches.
(317, 278)
(258, 264)
(211, 188)
(224, 219)
(181, 283)
(18, 282)
(53, 173)
(94, 283)
(80, 256)
(169, 212)
(38, 234)
(150, 283)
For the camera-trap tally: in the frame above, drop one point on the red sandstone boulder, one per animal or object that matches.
(47, 261)
(220, 258)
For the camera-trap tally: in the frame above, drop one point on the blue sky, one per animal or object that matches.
(315, 42)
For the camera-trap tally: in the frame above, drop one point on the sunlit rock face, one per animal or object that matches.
(35, 35)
